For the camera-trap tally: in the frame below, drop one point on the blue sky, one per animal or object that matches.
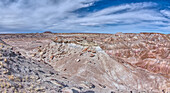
(85, 16)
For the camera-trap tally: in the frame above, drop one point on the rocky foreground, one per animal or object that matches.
(85, 63)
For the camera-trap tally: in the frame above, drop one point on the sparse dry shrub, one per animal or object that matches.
(11, 77)
(5, 60)
(6, 71)
(1, 63)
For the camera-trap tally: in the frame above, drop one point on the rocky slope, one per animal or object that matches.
(127, 63)
(22, 75)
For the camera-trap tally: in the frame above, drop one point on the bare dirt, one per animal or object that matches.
(86, 63)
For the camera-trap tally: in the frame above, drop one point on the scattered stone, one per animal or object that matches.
(78, 60)
(75, 91)
(64, 77)
(103, 86)
(81, 54)
(65, 69)
(93, 51)
(92, 55)
(84, 50)
(18, 53)
(52, 57)
(41, 53)
(39, 50)
(89, 50)
(33, 55)
(67, 90)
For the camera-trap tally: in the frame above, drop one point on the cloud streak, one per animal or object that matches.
(166, 13)
(59, 15)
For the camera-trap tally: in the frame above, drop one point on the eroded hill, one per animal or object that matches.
(101, 63)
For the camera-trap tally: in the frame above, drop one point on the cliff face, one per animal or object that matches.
(104, 63)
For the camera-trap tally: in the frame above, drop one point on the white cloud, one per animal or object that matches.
(135, 13)
(59, 15)
(37, 14)
(130, 7)
(127, 17)
(165, 12)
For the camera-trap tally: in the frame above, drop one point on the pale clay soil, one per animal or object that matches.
(85, 63)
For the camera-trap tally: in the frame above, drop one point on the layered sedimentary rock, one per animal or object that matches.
(106, 63)
(147, 51)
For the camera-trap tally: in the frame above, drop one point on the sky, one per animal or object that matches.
(85, 16)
